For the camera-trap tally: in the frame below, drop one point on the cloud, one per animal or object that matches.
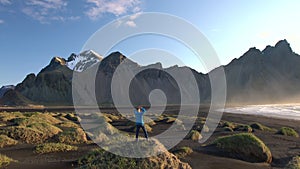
(46, 11)
(1, 21)
(130, 23)
(47, 4)
(116, 7)
(5, 2)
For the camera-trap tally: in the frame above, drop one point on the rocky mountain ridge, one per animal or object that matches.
(267, 76)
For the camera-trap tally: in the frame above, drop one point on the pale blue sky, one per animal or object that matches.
(33, 31)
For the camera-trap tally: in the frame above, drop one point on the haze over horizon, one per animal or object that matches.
(34, 31)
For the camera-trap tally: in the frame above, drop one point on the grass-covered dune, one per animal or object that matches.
(99, 158)
(244, 146)
(286, 131)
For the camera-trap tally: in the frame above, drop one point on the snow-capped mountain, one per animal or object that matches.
(83, 61)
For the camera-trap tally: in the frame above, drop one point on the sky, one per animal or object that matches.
(34, 31)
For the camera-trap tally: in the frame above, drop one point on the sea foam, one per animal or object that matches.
(283, 111)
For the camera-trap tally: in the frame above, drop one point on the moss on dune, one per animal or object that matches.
(286, 131)
(100, 158)
(244, 146)
(245, 128)
(258, 126)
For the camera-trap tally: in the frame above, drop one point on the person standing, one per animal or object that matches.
(139, 120)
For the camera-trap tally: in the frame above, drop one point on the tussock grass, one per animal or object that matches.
(5, 161)
(48, 129)
(294, 163)
(286, 131)
(182, 152)
(72, 117)
(71, 136)
(54, 147)
(6, 141)
(36, 118)
(228, 129)
(229, 124)
(113, 117)
(245, 128)
(67, 124)
(25, 134)
(99, 158)
(194, 135)
(258, 126)
(244, 146)
(8, 116)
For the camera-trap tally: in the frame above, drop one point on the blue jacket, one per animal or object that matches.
(139, 116)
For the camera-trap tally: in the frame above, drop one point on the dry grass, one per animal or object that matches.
(67, 124)
(99, 158)
(182, 152)
(6, 141)
(71, 136)
(7, 116)
(72, 117)
(294, 163)
(36, 118)
(47, 128)
(54, 147)
(5, 161)
(25, 134)
(194, 135)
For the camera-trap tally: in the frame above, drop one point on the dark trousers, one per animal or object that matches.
(138, 126)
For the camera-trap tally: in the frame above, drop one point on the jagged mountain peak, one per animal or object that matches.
(83, 61)
(113, 60)
(58, 60)
(283, 46)
(116, 57)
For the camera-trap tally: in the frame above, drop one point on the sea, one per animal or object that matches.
(282, 111)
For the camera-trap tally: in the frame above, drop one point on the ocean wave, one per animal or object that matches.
(283, 111)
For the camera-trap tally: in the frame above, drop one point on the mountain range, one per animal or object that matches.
(257, 77)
